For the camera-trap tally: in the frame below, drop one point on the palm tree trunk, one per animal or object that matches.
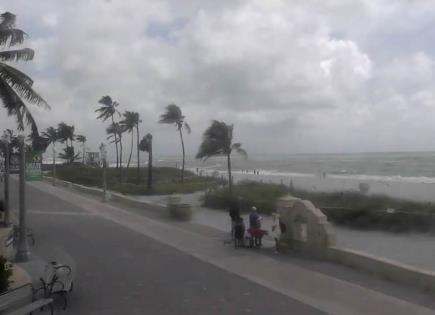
(120, 159)
(230, 178)
(131, 150)
(54, 165)
(116, 145)
(150, 164)
(182, 146)
(84, 149)
(138, 155)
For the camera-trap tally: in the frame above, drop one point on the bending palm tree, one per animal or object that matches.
(14, 84)
(115, 132)
(129, 123)
(217, 140)
(108, 110)
(174, 116)
(51, 134)
(65, 133)
(82, 139)
(146, 144)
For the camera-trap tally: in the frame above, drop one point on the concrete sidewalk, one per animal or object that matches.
(321, 291)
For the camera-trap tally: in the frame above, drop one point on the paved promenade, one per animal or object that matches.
(135, 260)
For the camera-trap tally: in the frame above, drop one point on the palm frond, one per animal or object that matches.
(106, 100)
(25, 54)
(238, 148)
(217, 140)
(188, 129)
(81, 138)
(7, 20)
(145, 143)
(51, 134)
(11, 37)
(22, 84)
(15, 106)
(172, 115)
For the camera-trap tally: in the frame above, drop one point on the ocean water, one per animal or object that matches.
(412, 167)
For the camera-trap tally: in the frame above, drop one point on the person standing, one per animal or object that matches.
(276, 230)
(234, 215)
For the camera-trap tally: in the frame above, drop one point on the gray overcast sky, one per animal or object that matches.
(293, 76)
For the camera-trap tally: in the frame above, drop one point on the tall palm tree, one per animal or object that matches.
(138, 121)
(218, 140)
(129, 123)
(15, 86)
(65, 133)
(173, 115)
(51, 134)
(106, 111)
(114, 132)
(82, 139)
(146, 144)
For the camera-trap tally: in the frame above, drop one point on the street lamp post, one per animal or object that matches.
(6, 139)
(23, 248)
(103, 154)
(54, 165)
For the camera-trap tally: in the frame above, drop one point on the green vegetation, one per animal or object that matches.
(16, 88)
(349, 208)
(5, 274)
(166, 180)
(248, 194)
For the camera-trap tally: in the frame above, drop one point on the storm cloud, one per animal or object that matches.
(293, 76)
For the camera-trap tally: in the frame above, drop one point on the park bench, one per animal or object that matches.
(21, 301)
(57, 281)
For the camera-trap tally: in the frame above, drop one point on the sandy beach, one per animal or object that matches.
(417, 191)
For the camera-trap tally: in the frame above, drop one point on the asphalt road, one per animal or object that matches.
(118, 271)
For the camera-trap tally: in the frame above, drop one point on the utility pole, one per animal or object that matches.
(150, 161)
(23, 247)
(103, 154)
(6, 139)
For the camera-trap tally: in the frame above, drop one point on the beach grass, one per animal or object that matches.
(166, 180)
(348, 208)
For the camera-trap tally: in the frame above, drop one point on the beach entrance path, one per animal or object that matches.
(135, 262)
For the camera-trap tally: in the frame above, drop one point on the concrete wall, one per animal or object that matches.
(307, 229)
(318, 241)
(384, 268)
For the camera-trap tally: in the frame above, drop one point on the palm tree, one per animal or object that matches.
(51, 134)
(129, 123)
(174, 116)
(138, 121)
(106, 111)
(115, 131)
(82, 139)
(65, 133)
(69, 155)
(15, 86)
(217, 140)
(146, 144)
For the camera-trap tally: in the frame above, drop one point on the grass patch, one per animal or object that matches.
(349, 208)
(248, 194)
(166, 180)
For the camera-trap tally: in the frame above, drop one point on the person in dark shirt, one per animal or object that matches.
(234, 215)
